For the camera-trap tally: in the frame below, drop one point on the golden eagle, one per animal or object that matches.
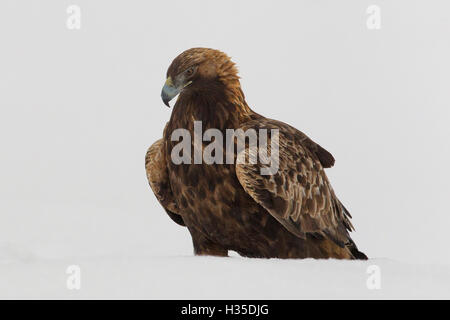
(293, 213)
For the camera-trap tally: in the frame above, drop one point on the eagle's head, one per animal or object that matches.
(197, 69)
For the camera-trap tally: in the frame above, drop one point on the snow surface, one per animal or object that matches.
(125, 276)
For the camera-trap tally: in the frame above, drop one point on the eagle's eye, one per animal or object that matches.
(189, 72)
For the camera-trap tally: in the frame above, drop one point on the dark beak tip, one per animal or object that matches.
(165, 98)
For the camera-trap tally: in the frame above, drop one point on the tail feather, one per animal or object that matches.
(358, 255)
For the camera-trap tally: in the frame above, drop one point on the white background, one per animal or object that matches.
(80, 107)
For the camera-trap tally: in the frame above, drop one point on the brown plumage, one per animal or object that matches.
(291, 214)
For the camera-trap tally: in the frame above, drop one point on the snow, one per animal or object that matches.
(130, 276)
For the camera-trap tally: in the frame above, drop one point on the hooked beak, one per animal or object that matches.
(169, 91)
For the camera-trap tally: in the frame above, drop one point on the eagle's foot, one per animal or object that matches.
(206, 247)
(218, 252)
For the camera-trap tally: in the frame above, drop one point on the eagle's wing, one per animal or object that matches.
(299, 195)
(158, 178)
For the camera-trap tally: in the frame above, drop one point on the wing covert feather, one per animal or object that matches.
(299, 195)
(158, 178)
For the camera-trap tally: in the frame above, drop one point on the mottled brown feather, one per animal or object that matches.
(299, 195)
(158, 178)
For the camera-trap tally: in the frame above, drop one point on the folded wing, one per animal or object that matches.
(158, 178)
(299, 195)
